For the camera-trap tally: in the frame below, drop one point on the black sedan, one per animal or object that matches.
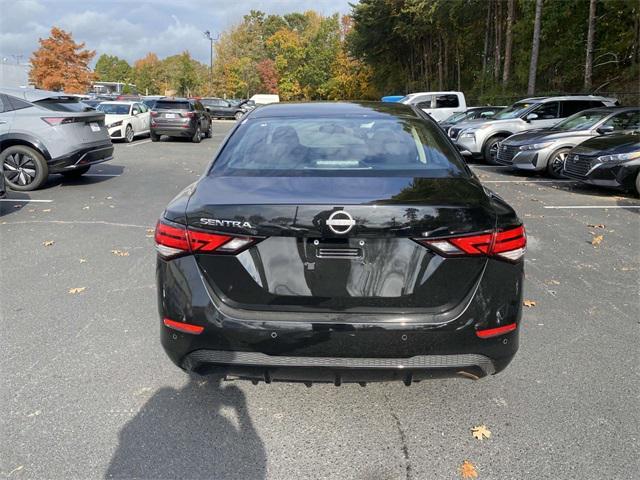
(609, 161)
(339, 242)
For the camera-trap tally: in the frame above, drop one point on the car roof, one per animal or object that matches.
(120, 102)
(177, 99)
(32, 94)
(314, 109)
(563, 98)
(611, 110)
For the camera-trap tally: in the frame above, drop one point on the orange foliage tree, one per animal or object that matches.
(61, 64)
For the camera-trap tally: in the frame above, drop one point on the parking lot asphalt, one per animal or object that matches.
(87, 391)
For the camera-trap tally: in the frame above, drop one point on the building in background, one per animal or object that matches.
(111, 88)
(14, 75)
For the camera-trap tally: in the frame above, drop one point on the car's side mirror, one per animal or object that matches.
(605, 129)
(531, 116)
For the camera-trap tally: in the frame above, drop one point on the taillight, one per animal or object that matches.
(189, 114)
(55, 121)
(507, 244)
(173, 240)
(154, 114)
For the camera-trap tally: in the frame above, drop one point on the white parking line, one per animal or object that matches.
(24, 200)
(138, 143)
(557, 207)
(528, 181)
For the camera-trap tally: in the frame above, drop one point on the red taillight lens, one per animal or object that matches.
(189, 114)
(183, 327)
(55, 121)
(174, 239)
(494, 332)
(154, 114)
(508, 244)
(171, 240)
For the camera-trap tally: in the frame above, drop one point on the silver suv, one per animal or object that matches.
(481, 138)
(45, 132)
(546, 150)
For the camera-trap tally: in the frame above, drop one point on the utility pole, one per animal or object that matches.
(212, 39)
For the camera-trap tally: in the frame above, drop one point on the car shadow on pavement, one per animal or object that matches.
(202, 431)
(7, 206)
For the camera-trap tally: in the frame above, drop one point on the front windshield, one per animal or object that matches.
(337, 146)
(113, 108)
(581, 121)
(514, 111)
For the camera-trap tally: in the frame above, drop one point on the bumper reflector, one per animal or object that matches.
(494, 332)
(183, 327)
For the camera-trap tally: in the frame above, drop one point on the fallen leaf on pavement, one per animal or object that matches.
(86, 207)
(83, 260)
(553, 282)
(467, 470)
(597, 240)
(595, 225)
(108, 198)
(480, 432)
(529, 303)
(77, 290)
(46, 210)
(48, 243)
(120, 253)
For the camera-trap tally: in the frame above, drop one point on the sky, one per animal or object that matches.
(130, 29)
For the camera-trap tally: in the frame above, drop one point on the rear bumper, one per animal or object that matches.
(338, 350)
(174, 131)
(89, 154)
(258, 366)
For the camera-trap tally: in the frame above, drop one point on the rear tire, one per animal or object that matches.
(128, 134)
(197, 136)
(638, 184)
(25, 169)
(555, 164)
(238, 116)
(490, 150)
(209, 132)
(154, 137)
(77, 172)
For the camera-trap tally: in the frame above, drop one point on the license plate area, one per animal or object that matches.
(345, 249)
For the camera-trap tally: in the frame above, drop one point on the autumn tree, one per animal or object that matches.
(61, 64)
(147, 74)
(268, 75)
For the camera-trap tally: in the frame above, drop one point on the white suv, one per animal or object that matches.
(483, 138)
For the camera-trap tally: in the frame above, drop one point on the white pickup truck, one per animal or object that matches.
(440, 105)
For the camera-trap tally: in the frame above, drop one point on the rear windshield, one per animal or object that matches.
(114, 108)
(63, 104)
(351, 146)
(171, 105)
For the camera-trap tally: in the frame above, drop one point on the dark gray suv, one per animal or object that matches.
(44, 132)
(180, 117)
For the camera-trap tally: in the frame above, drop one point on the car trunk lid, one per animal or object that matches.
(340, 244)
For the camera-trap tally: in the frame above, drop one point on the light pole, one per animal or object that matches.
(208, 36)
